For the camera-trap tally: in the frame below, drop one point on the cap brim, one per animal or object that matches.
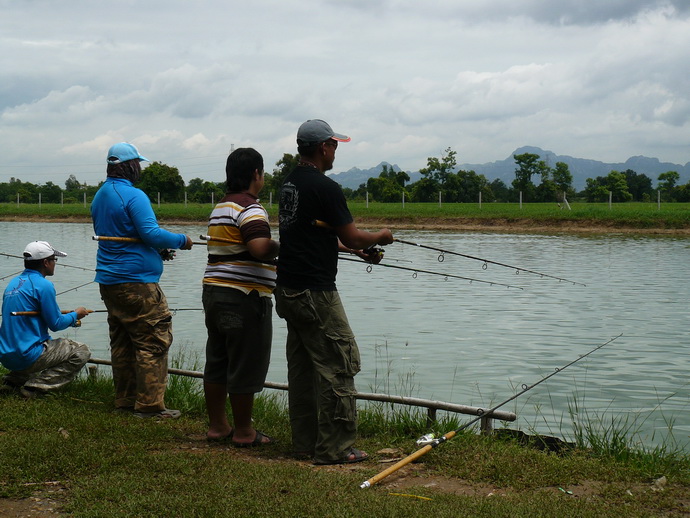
(341, 138)
(57, 253)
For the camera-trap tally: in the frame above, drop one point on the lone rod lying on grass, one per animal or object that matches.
(435, 442)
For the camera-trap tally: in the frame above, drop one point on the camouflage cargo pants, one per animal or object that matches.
(323, 359)
(140, 335)
(60, 362)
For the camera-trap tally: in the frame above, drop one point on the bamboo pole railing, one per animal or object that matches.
(432, 406)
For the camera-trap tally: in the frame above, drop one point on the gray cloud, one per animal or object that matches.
(186, 80)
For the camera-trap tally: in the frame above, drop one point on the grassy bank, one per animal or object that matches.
(69, 454)
(641, 217)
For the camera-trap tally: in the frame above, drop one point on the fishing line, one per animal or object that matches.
(441, 257)
(415, 271)
(11, 275)
(486, 262)
(482, 413)
(75, 288)
(84, 268)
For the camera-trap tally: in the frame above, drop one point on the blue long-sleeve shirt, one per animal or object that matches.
(121, 210)
(22, 337)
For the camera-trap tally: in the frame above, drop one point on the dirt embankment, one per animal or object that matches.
(498, 225)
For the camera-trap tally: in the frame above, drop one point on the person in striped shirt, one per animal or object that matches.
(237, 287)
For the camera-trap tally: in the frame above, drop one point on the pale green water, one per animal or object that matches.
(472, 343)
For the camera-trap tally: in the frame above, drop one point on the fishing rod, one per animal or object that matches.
(217, 239)
(129, 239)
(75, 288)
(485, 261)
(370, 267)
(433, 443)
(58, 263)
(441, 257)
(381, 250)
(83, 268)
(11, 275)
(63, 311)
(89, 311)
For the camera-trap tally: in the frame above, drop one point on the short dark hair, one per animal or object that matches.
(129, 170)
(36, 264)
(307, 149)
(240, 167)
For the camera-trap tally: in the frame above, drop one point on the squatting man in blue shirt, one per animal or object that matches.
(38, 363)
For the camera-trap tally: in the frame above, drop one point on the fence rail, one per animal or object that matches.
(486, 422)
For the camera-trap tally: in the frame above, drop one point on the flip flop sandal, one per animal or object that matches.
(224, 438)
(161, 414)
(355, 455)
(258, 441)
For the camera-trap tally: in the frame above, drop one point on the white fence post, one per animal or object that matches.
(480, 199)
(520, 200)
(610, 199)
(367, 199)
(658, 199)
(403, 199)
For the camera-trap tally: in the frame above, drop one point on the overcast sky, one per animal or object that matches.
(184, 80)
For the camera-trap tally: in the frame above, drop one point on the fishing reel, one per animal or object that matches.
(373, 254)
(167, 254)
(426, 439)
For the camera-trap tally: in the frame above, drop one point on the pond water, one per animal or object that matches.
(469, 343)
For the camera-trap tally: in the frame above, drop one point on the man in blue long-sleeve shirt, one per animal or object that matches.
(128, 273)
(37, 362)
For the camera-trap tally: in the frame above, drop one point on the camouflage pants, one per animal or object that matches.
(60, 362)
(140, 335)
(322, 358)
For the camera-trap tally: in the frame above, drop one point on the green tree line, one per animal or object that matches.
(535, 181)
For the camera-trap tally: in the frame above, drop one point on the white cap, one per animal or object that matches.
(38, 250)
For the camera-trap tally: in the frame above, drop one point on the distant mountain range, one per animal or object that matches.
(580, 168)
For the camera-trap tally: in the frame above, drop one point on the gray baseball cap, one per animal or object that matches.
(316, 130)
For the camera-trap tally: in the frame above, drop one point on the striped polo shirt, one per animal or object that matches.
(237, 219)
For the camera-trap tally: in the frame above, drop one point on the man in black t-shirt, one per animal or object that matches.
(322, 355)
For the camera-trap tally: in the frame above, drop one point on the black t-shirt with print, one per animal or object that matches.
(309, 254)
